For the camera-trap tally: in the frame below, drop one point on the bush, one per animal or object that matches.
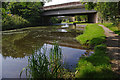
(12, 22)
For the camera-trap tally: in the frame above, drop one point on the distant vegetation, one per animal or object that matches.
(82, 18)
(21, 14)
(54, 20)
(78, 19)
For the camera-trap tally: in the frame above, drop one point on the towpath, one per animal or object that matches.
(113, 48)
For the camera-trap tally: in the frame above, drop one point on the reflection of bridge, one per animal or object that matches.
(70, 9)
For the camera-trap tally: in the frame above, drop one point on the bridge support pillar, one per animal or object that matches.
(93, 18)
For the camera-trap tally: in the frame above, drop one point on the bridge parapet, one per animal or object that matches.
(65, 6)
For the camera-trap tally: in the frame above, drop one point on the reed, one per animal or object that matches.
(41, 66)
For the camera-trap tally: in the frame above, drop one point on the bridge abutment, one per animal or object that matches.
(93, 18)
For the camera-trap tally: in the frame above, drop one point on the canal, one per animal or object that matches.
(18, 45)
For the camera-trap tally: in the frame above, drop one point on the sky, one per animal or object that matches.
(53, 2)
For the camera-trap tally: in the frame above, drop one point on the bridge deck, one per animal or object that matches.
(68, 12)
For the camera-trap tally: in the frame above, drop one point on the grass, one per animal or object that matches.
(112, 27)
(93, 35)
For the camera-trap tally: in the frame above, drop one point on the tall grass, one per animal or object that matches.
(39, 66)
(56, 61)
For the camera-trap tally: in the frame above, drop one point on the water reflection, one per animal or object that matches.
(22, 44)
(70, 55)
(66, 25)
(17, 45)
(11, 67)
(62, 30)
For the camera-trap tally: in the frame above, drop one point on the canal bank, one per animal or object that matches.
(113, 48)
(97, 65)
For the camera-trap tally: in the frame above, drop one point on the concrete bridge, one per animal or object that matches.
(70, 9)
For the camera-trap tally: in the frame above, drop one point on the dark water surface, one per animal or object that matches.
(18, 45)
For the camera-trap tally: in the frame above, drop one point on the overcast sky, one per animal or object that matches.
(53, 2)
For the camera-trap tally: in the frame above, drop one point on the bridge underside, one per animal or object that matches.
(92, 14)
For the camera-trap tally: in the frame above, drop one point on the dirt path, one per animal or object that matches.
(113, 48)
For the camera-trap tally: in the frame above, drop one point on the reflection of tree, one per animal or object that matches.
(23, 44)
(8, 47)
(18, 45)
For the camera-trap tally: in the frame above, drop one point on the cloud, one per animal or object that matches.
(53, 2)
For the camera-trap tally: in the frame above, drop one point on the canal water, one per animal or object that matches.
(18, 45)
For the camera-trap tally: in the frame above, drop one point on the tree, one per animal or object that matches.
(30, 11)
(107, 10)
(25, 9)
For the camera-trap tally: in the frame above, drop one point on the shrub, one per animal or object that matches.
(12, 22)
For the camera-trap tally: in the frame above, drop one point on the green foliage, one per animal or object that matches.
(55, 20)
(4, 15)
(108, 11)
(90, 5)
(81, 18)
(38, 65)
(28, 10)
(12, 22)
(55, 60)
(93, 35)
(77, 18)
(95, 66)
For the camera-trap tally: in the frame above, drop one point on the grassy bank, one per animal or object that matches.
(93, 35)
(113, 27)
(77, 22)
(97, 65)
